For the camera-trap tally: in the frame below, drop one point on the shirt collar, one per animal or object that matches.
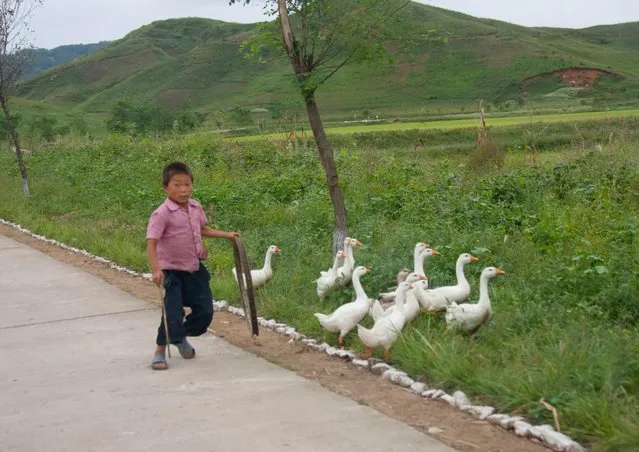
(172, 206)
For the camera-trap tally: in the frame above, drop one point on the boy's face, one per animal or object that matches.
(179, 188)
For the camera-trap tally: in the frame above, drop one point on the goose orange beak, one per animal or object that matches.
(499, 271)
(473, 259)
(358, 243)
(277, 251)
(426, 245)
(422, 278)
(368, 269)
(435, 253)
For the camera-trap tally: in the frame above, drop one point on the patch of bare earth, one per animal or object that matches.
(459, 430)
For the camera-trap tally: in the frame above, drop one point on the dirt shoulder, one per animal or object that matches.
(458, 429)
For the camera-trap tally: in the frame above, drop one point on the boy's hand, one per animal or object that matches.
(232, 235)
(158, 277)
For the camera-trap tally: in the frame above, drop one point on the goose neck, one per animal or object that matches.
(400, 298)
(267, 260)
(459, 271)
(419, 264)
(484, 299)
(359, 290)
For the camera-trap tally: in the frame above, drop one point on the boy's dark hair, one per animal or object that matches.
(174, 168)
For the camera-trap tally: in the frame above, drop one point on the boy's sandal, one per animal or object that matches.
(159, 362)
(186, 350)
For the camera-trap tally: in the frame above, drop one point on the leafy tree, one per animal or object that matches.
(14, 39)
(44, 126)
(319, 37)
(141, 119)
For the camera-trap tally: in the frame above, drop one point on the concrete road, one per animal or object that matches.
(75, 376)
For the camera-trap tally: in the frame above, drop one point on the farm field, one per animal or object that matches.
(558, 214)
(448, 124)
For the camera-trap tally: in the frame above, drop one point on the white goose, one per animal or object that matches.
(410, 302)
(261, 276)
(344, 272)
(433, 300)
(328, 279)
(387, 298)
(385, 330)
(344, 318)
(470, 317)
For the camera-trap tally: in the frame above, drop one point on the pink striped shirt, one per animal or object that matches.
(179, 235)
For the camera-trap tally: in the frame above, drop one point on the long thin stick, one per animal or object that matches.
(553, 410)
(166, 323)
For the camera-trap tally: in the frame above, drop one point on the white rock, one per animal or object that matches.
(346, 354)
(509, 422)
(437, 394)
(360, 362)
(330, 351)
(435, 431)
(575, 447)
(288, 331)
(482, 412)
(403, 381)
(309, 341)
(380, 368)
(429, 393)
(281, 325)
(391, 374)
(418, 387)
(496, 418)
(461, 400)
(280, 329)
(449, 399)
(522, 428)
(271, 323)
(556, 440)
(537, 431)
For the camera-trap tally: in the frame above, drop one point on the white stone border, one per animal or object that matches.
(546, 434)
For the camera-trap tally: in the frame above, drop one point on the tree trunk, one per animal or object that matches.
(301, 70)
(326, 155)
(13, 133)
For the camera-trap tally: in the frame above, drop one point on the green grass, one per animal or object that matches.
(560, 216)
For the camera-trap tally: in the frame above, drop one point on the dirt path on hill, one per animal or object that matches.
(458, 429)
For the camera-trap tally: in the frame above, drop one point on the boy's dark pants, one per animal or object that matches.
(186, 289)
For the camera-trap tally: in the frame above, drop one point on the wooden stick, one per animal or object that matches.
(166, 323)
(555, 415)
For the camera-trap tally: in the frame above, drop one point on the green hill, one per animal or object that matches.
(199, 61)
(46, 58)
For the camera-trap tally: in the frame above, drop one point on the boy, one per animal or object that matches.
(174, 250)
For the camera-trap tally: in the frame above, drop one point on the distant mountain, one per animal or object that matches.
(47, 58)
(199, 61)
